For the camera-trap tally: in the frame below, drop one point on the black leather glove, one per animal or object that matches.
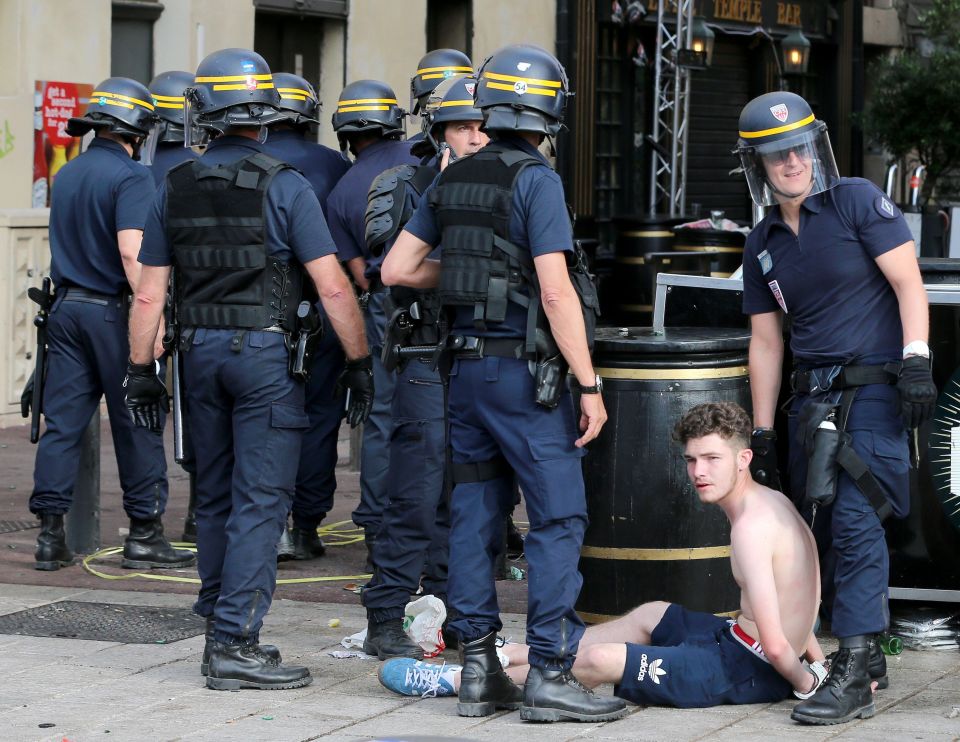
(357, 380)
(763, 467)
(26, 398)
(146, 394)
(918, 393)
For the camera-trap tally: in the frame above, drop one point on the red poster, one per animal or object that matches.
(54, 103)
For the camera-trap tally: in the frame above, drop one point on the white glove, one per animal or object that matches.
(819, 672)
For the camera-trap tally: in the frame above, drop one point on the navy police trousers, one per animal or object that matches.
(492, 413)
(248, 418)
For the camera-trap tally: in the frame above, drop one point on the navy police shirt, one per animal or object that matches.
(826, 279)
(347, 203)
(321, 166)
(167, 156)
(96, 195)
(539, 222)
(295, 225)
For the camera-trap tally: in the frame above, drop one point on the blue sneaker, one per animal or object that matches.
(410, 677)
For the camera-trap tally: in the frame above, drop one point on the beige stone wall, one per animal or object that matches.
(497, 24)
(188, 30)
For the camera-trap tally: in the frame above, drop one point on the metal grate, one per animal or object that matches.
(12, 526)
(109, 622)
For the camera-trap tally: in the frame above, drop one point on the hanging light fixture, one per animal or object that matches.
(796, 52)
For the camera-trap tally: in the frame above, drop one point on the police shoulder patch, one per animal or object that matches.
(766, 262)
(885, 207)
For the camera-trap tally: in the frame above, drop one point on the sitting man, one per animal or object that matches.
(662, 653)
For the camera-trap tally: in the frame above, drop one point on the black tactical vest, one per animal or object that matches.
(216, 225)
(480, 267)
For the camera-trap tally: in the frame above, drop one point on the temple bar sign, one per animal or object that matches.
(808, 15)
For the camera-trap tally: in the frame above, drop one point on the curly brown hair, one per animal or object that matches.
(726, 419)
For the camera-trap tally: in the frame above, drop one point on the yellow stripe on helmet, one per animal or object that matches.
(362, 101)
(234, 78)
(288, 96)
(243, 86)
(444, 69)
(294, 91)
(467, 102)
(530, 91)
(347, 109)
(161, 104)
(527, 80)
(778, 129)
(170, 98)
(118, 97)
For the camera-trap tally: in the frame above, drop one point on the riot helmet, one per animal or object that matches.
(784, 149)
(367, 106)
(232, 87)
(166, 90)
(118, 105)
(435, 67)
(298, 99)
(522, 87)
(451, 100)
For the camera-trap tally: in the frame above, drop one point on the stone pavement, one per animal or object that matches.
(96, 690)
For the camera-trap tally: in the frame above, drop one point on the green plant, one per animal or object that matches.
(915, 106)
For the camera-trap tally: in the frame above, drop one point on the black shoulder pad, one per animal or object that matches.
(388, 206)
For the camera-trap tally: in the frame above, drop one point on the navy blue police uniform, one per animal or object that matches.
(99, 193)
(842, 312)
(316, 477)
(166, 157)
(346, 207)
(246, 409)
(696, 660)
(412, 546)
(492, 415)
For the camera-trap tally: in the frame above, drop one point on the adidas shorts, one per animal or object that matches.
(693, 661)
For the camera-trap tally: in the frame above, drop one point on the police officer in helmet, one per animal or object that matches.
(414, 538)
(292, 140)
(432, 69)
(369, 122)
(247, 239)
(517, 312)
(835, 255)
(165, 143)
(99, 208)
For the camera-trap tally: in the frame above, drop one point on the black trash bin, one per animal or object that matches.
(650, 538)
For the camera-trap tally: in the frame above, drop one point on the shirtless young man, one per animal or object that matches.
(664, 654)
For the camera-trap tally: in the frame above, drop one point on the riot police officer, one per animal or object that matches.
(414, 538)
(247, 238)
(835, 255)
(433, 68)
(506, 236)
(290, 140)
(99, 208)
(165, 143)
(369, 122)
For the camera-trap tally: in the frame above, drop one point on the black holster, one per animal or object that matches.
(304, 344)
(549, 374)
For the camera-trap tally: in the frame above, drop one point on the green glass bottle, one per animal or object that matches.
(891, 644)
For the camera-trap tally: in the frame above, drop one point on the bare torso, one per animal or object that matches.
(771, 516)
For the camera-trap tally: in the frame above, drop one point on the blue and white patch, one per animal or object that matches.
(778, 295)
(885, 207)
(248, 67)
(766, 262)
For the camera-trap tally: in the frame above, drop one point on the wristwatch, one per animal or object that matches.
(595, 389)
(764, 433)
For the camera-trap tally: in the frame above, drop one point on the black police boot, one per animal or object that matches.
(52, 552)
(877, 665)
(484, 686)
(190, 522)
(386, 639)
(236, 666)
(307, 544)
(845, 694)
(147, 548)
(553, 695)
(514, 540)
(268, 649)
(285, 550)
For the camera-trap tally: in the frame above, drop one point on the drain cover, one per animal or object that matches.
(12, 526)
(106, 622)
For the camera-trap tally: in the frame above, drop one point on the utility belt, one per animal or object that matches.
(822, 425)
(73, 293)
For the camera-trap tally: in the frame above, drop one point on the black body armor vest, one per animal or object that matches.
(480, 267)
(216, 224)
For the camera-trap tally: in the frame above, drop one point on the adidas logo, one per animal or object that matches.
(654, 669)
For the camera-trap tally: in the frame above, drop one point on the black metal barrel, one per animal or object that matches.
(725, 247)
(650, 537)
(634, 273)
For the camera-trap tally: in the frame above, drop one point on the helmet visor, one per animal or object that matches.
(194, 135)
(791, 167)
(149, 147)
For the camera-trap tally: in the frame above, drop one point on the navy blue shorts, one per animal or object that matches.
(694, 661)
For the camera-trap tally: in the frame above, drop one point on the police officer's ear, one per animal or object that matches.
(744, 457)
